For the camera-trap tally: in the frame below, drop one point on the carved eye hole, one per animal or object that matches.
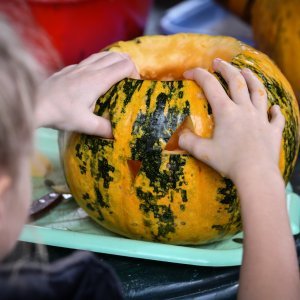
(134, 167)
(172, 144)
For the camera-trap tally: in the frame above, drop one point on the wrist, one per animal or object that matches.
(254, 171)
(261, 190)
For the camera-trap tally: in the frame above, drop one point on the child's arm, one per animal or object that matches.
(245, 147)
(66, 100)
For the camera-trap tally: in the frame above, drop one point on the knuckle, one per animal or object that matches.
(237, 86)
(198, 70)
(259, 97)
(236, 76)
(255, 80)
(123, 55)
(126, 63)
(95, 55)
(252, 113)
(230, 71)
(225, 108)
(205, 78)
(195, 150)
(262, 92)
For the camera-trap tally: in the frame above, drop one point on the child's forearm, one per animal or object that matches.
(270, 266)
(245, 147)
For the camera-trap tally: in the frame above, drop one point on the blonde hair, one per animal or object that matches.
(18, 79)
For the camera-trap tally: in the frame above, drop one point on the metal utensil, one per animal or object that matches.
(43, 204)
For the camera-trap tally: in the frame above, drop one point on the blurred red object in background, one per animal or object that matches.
(75, 28)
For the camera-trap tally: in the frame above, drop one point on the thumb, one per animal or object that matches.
(199, 147)
(92, 124)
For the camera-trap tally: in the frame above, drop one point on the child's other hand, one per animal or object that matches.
(66, 100)
(243, 136)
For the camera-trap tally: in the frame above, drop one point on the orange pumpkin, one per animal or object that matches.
(276, 29)
(140, 184)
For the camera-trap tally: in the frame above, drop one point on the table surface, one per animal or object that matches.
(145, 279)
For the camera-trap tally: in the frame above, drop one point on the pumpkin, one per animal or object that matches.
(139, 184)
(276, 30)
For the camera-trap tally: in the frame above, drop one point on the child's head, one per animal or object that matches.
(17, 101)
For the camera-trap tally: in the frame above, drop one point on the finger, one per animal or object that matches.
(112, 58)
(107, 77)
(94, 57)
(95, 61)
(104, 59)
(65, 70)
(100, 81)
(277, 118)
(212, 88)
(200, 148)
(257, 90)
(236, 82)
(135, 74)
(92, 124)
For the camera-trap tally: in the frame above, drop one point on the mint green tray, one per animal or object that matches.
(67, 225)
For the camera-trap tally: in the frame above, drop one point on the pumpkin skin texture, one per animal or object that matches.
(276, 26)
(131, 184)
(276, 30)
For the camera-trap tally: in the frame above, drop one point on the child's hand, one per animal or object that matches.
(66, 100)
(245, 146)
(243, 136)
